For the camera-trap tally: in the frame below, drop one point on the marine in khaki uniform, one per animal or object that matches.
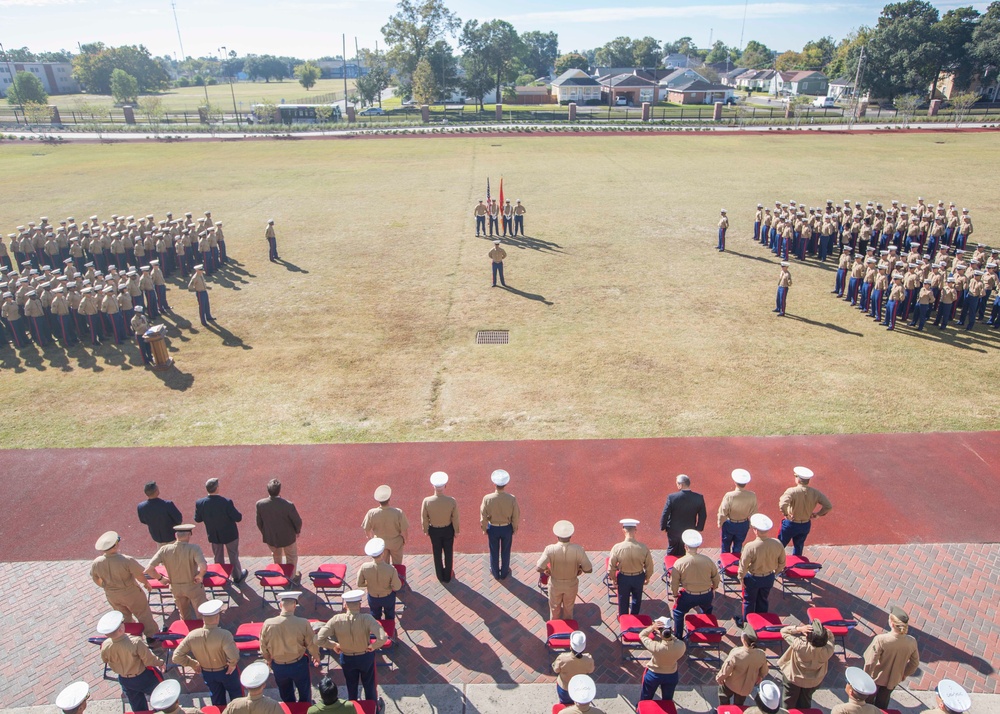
(287, 643)
(497, 256)
(734, 513)
(480, 212)
(439, 520)
(767, 700)
(784, 284)
(582, 691)
(387, 523)
(354, 636)
(569, 664)
(186, 566)
(891, 657)
(805, 662)
(166, 697)
(129, 657)
(211, 651)
(693, 581)
(798, 506)
(743, 669)
(761, 559)
(665, 650)
(272, 242)
(499, 517)
(951, 698)
(73, 699)
(519, 211)
(859, 688)
(723, 227)
(123, 582)
(254, 679)
(630, 567)
(563, 562)
(381, 580)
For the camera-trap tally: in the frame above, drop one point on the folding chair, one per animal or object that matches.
(705, 635)
(390, 633)
(328, 580)
(247, 638)
(610, 582)
(215, 581)
(890, 711)
(401, 571)
(543, 583)
(131, 628)
(668, 567)
(805, 711)
(209, 709)
(798, 575)
(729, 569)
(171, 638)
(768, 626)
(835, 622)
(295, 707)
(273, 580)
(365, 706)
(557, 634)
(729, 709)
(656, 706)
(161, 591)
(556, 708)
(629, 627)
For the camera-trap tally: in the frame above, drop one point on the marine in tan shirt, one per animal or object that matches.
(891, 657)
(497, 513)
(439, 520)
(287, 638)
(127, 655)
(387, 523)
(350, 632)
(378, 578)
(798, 505)
(569, 664)
(734, 513)
(630, 567)
(123, 581)
(693, 581)
(186, 566)
(564, 562)
(805, 662)
(761, 557)
(210, 649)
(743, 669)
(666, 650)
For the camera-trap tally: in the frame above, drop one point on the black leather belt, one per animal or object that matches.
(703, 592)
(743, 521)
(632, 575)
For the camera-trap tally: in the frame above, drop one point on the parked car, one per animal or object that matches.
(824, 102)
(622, 102)
(734, 100)
(372, 112)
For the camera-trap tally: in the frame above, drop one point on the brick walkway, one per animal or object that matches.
(479, 631)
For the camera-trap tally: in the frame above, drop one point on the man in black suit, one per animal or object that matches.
(158, 515)
(684, 509)
(220, 518)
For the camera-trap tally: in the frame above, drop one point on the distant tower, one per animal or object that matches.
(178, 26)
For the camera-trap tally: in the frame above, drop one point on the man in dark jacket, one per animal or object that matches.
(684, 509)
(280, 525)
(158, 515)
(220, 518)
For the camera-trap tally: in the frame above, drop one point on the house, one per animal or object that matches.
(801, 82)
(729, 78)
(944, 87)
(699, 91)
(575, 85)
(653, 73)
(840, 88)
(335, 69)
(679, 61)
(755, 80)
(634, 88)
(679, 77)
(56, 77)
(532, 94)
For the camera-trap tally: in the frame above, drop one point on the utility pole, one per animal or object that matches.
(855, 99)
(178, 26)
(229, 74)
(343, 39)
(746, 7)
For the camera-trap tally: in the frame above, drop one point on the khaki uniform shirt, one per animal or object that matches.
(737, 506)
(891, 658)
(762, 556)
(855, 706)
(182, 560)
(387, 523)
(568, 665)
(500, 509)
(128, 656)
(352, 631)
(254, 705)
(519, 210)
(798, 503)
(286, 638)
(117, 572)
(439, 512)
(213, 648)
(802, 664)
(631, 557)
(785, 279)
(564, 561)
(696, 573)
(481, 209)
(197, 283)
(665, 653)
(379, 578)
(498, 254)
(743, 669)
(723, 222)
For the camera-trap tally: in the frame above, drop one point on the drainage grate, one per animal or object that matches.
(493, 337)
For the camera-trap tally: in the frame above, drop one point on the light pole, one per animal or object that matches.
(231, 90)
(10, 69)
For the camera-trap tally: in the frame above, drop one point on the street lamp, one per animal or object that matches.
(232, 91)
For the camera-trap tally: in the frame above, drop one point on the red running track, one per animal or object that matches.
(886, 488)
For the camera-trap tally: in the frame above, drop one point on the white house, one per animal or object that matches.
(575, 85)
(56, 77)
(802, 82)
(680, 77)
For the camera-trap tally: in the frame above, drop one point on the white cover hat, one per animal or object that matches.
(110, 622)
(374, 547)
(741, 476)
(72, 696)
(953, 696)
(210, 608)
(290, 595)
(563, 529)
(691, 538)
(770, 694)
(353, 596)
(582, 689)
(803, 473)
(383, 493)
(860, 681)
(165, 695)
(254, 675)
(761, 522)
(500, 477)
(578, 641)
(629, 522)
(439, 479)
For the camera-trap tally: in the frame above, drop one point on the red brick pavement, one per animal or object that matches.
(887, 474)
(477, 630)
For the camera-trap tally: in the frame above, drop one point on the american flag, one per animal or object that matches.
(487, 191)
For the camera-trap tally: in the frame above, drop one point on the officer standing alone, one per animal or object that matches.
(439, 519)
(499, 517)
(497, 255)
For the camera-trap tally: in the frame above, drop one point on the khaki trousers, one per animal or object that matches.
(562, 597)
(188, 597)
(132, 603)
(290, 553)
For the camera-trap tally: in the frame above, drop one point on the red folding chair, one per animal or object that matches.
(161, 591)
(216, 580)
(768, 626)
(169, 640)
(543, 582)
(556, 708)
(557, 634)
(629, 627)
(805, 711)
(328, 580)
(656, 706)
(835, 623)
(390, 642)
(209, 709)
(729, 568)
(668, 567)
(704, 635)
(131, 628)
(247, 638)
(365, 706)
(890, 711)
(729, 709)
(295, 707)
(273, 580)
(798, 575)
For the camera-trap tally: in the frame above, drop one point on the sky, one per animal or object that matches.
(313, 28)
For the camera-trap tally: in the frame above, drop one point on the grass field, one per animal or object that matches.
(190, 98)
(625, 322)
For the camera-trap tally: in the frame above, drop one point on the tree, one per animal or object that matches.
(415, 27)
(684, 46)
(647, 53)
(756, 55)
(19, 55)
(903, 51)
(985, 48)
(906, 106)
(96, 62)
(845, 57)
(445, 66)
(152, 109)
(719, 53)
(617, 53)
(424, 87)
(92, 115)
(323, 113)
(788, 61)
(478, 79)
(798, 104)
(37, 113)
(571, 60)
(307, 74)
(961, 104)
(497, 45)
(954, 32)
(817, 54)
(124, 87)
(26, 88)
(266, 112)
(543, 48)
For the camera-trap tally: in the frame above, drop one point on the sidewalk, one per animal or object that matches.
(476, 644)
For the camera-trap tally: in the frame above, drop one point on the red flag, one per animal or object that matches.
(501, 195)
